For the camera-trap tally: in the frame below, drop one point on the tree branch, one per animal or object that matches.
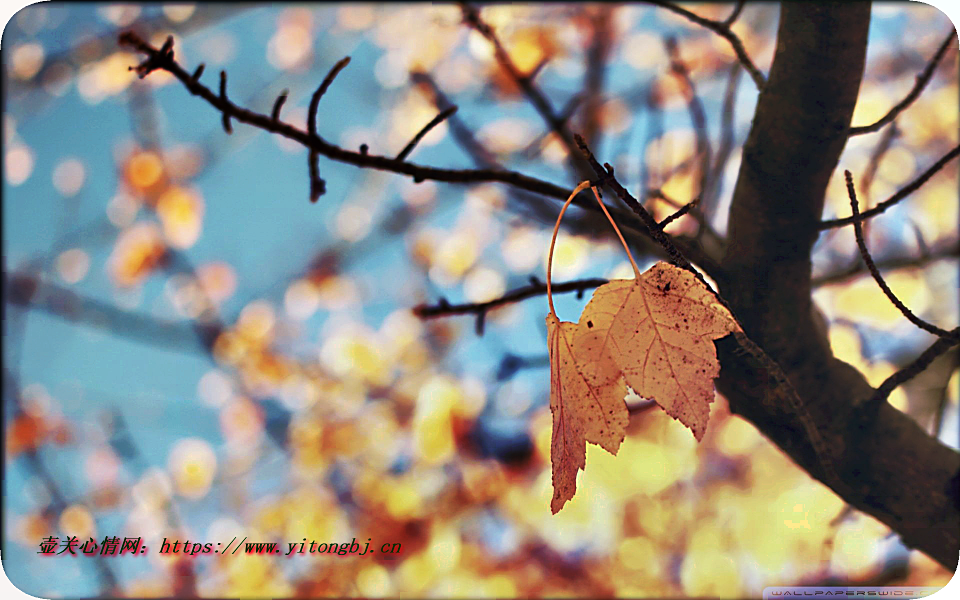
(951, 339)
(724, 31)
(318, 186)
(892, 469)
(480, 309)
(156, 60)
(440, 118)
(868, 260)
(471, 16)
(922, 79)
(900, 195)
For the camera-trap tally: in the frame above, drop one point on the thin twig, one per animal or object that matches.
(594, 76)
(922, 79)
(440, 118)
(868, 260)
(735, 14)
(366, 159)
(317, 185)
(223, 97)
(278, 105)
(605, 175)
(900, 195)
(461, 133)
(951, 339)
(724, 31)
(682, 211)
(471, 16)
(536, 288)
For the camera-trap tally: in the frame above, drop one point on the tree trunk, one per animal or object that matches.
(891, 468)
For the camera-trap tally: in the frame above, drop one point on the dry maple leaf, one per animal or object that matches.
(586, 395)
(654, 333)
(660, 328)
(587, 406)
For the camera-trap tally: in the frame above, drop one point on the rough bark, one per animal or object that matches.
(891, 469)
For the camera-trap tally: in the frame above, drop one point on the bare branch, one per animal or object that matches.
(363, 158)
(724, 31)
(317, 185)
(223, 97)
(682, 211)
(536, 288)
(868, 260)
(461, 133)
(440, 118)
(900, 195)
(278, 105)
(605, 175)
(735, 14)
(922, 79)
(951, 339)
(471, 16)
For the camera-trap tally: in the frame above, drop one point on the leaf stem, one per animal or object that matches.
(603, 207)
(553, 240)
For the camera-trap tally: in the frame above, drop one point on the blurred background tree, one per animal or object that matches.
(194, 349)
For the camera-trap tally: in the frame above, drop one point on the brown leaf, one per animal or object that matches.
(654, 333)
(660, 330)
(586, 399)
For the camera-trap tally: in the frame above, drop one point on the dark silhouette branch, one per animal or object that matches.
(679, 213)
(922, 79)
(735, 14)
(471, 16)
(318, 186)
(536, 288)
(868, 260)
(363, 158)
(440, 118)
(278, 105)
(227, 127)
(951, 339)
(723, 30)
(900, 195)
